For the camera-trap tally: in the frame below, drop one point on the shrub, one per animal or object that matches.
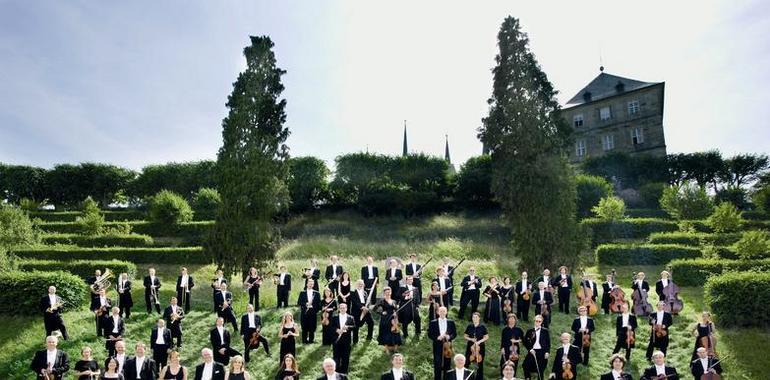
(722, 292)
(92, 221)
(610, 208)
(69, 216)
(206, 203)
(693, 238)
(753, 245)
(20, 291)
(650, 194)
(725, 218)
(191, 233)
(761, 199)
(694, 272)
(30, 205)
(590, 190)
(187, 255)
(755, 215)
(104, 240)
(167, 208)
(15, 228)
(308, 182)
(646, 213)
(643, 254)
(80, 268)
(603, 231)
(687, 201)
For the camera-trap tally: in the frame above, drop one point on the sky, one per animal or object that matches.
(145, 82)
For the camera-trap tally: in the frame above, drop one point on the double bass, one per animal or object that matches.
(641, 305)
(586, 297)
(673, 304)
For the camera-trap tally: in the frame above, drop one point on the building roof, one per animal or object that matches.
(605, 86)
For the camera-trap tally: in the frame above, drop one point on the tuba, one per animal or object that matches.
(103, 282)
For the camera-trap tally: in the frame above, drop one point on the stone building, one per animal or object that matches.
(616, 114)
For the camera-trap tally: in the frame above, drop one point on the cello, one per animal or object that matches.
(673, 304)
(639, 296)
(586, 297)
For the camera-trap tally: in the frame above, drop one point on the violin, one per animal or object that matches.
(586, 339)
(514, 356)
(507, 308)
(325, 318)
(476, 353)
(447, 351)
(395, 326)
(526, 295)
(544, 308)
(254, 341)
(660, 331)
(630, 337)
(566, 371)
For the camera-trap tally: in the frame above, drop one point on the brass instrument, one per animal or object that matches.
(54, 307)
(178, 315)
(154, 294)
(103, 282)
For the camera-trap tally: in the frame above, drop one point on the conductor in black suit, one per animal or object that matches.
(368, 273)
(147, 368)
(309, 303)
(51, 359)
(618, 363)
(397, 370)
(659, 368)
(209, 369)
(441, 330)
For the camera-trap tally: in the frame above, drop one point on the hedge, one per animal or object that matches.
(69, 216)
(20, 292)
(193, 232)
(603, 231)
(739, 298)
(755, 215)
(693, 239)
(647, 213)
(643, 254)
(185, 255)
(132, 240)
(694, 272)
(80, 268)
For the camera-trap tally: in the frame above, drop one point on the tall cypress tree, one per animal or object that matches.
(527, 138)
(252, 166)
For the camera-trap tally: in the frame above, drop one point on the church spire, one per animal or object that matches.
(446, 150)
(405, 150)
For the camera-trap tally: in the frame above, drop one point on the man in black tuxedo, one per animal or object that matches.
(607, 287)
(114, 328)
(394, 275)
(251, 323)
(209, 369)
(51, 360)
(140, 366)
(542, 298)
(460, 370)
(522, 305)
(220, 340)
(173, 314)
(216, 286)
(563, 282)
(312, 273)
(625, 324)
(582, 325)
(704, 364)
(664, 319)
(343, 325)
(618, 363)
(659, 368)
(565, 353)
(369, 272)
(282, 287)
(470, 292)
(120, 356)
(184, 285)
(537, 341)
(51, 306)
(126, 301)
(330, 371)
(333, 273)
(441, 330)
(410, 302)
(413, 269)
(397, 370)
(358, 304)
(444, 286)
(151, 288)
(160, 343)
(449, 272)
(100, 306)
(309, 303)
(224, 302)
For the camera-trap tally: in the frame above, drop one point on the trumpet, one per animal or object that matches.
(103, 282)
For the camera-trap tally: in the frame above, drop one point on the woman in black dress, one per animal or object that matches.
(287, 332)
(507, 293)
(435, 301)
(86, 367)
(111, 370)
(343, 289)
(237, 371)
(252, 283)
(328, 306)
(704, 331)
(390, 331)
(512, 335)
(289, 369)
(174, 370)
(476, 334)
(492, 306)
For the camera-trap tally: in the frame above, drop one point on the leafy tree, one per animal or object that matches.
(753, 245)
(761, 199)
(650, 194)
(252, 167)
(590, 190)
(16, 229)
(734, 195)
(705, 168)
(687, 201)
(19, 182)
(625, 171)
(169, 209)
(527, 137)
(205, 203)
(91, 223)
(742, 169)
(725, 218)
(308, 182)
(474, 181)
(69, 184)
(610, 208)
(184, 178)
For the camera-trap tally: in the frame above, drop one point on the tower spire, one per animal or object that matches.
(405, 151)
(446, 150)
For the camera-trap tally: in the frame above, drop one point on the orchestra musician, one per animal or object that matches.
(397, 370)
(618, 364)
(174, 369)
(625, 324)
(659, 369)
(660, 321)
(537, 341)
(112, 370)
(283, 287)
(309, 303)
(582, 325)
(86, 368)
(413, 269)
(173, 314)
(508, 371)
(220, 340)
(470, 285)
(368, 273)
(216, 287)
(312, 273)
(343, 288)
(542, 299)
(704, 329)
(510, 338)
(435, 300)
(565, 354)
(209, 369)
(459, 372)
(410, 302)
(449, 272)
(563, 282)
(252, 323)
(50, 360)
(140, 366)
(224, 302)
(51, 307)
(333, 272)
(492, 310)
(289, 369)
(640, 284)
(359, 305)
(390, 331)
(444, 286)
(441, 331)
(287, 332)
(120, 356)
(328, 306)
(125, 300)
(152, 286)
(589, 283)
(92, 280)
(114, 328)
(507, 297)
(237, 370)
(330, 371)
(704, 364)
(160, 343)
(476, 336)
(343, 325)
(252, 283)
(394, 276)
(607, 287)
(547, 280)
(184, 285)
(523, 286)
(100, 306)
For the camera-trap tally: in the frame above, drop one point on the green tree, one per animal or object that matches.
(16, 229)
(610, 208)
(761, 199)
(69, 184)
(474, 181)
(688, 201)
(91, 223)
(169, 209)
(252, 167)
(527, 137)
(590, 190)
(744, 168)
(753, 245)
(308, 182)
(205, 203)
(725, 218)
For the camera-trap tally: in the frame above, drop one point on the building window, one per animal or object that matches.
(608, 142)
(577, 120)
(580, 148)
(637, 136)
(604, 113)
(633, 107)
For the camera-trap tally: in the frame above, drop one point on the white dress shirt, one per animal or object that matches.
(280, 278)
(221, 331)
(309, 296)
(159, 339)
(659, 318)
(537, 346)
(616, 375)
(664, 281)
(565, 349)
(52, 299)
(51, 358)
(624, 319)
(705, 363)
(583, 322)
(523, 286)
(398, 373)
(441, 283)
(371, 271)
(660, 369)
(115, 320)
(102, 301)
(121, 358)
(183, 282)
(564, 277)
(139, 364)
(208, 371)
(250, 317)
(460, 373)
(472, 282)
(361, 297)
(442, 326)
(343, 320)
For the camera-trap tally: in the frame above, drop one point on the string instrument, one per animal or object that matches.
(630, 337)
(446, 350)
(641, 305)
(452, 271)
(476, 353)
(514, 356)
(395, 326)
(566, 370)
(254, 340)
(47, 375)
(544, 308)
(673, 304)
(660, 331)
(417, 274)
(586, 299)
(325, 315)
(711, 375)
(586, 339)
(101, 311)
(709, 342)
(616, 297)
(54, 307)
(507, 304)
